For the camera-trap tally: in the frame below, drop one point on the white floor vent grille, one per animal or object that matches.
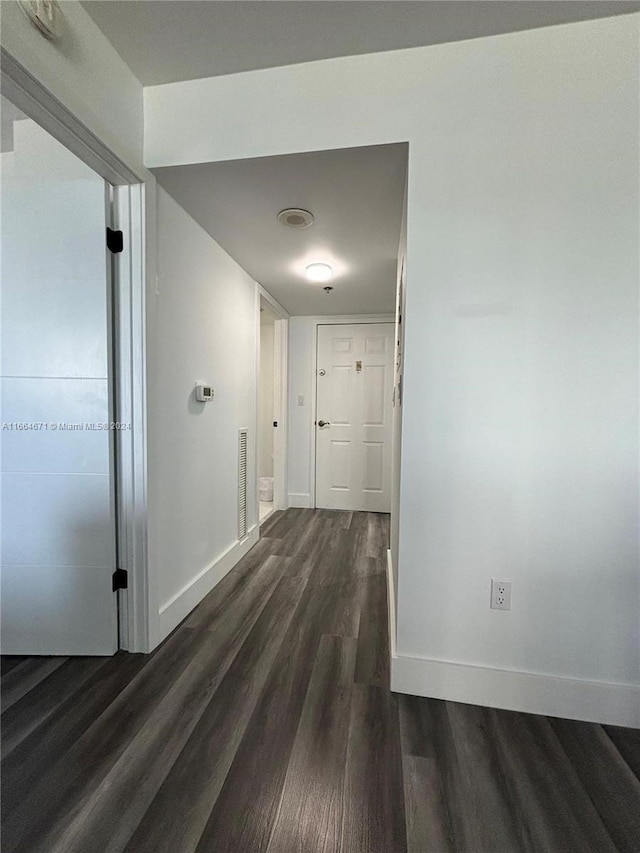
(242, 483)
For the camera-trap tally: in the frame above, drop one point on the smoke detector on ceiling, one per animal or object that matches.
(295, 217)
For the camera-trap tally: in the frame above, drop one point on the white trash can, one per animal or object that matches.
(265, 487)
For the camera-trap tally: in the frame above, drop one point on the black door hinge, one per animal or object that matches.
(115, 241)
(120, 579)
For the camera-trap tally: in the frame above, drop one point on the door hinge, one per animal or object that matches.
(120, 579)
(115, 241)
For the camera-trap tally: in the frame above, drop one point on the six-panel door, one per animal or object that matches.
(353, 416)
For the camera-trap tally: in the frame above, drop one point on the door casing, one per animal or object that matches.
(280, 395)
(134, 200)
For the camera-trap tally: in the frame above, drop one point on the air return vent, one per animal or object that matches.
(295, 217)
(242, 483)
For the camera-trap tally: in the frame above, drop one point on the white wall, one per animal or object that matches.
(520, 456)
(266, 413)
(205, 320)
(302, 384)
(83, 71)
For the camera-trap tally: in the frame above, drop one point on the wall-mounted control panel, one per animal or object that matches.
(204, 393)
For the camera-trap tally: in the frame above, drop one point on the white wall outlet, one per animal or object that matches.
(500, 595)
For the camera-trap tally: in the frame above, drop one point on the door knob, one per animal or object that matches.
(323, 423)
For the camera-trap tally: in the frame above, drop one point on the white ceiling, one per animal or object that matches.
(356, 195)
(164, 41)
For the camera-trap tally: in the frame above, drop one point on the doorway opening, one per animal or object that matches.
(267, 422)
(321, 230)
(59, 429)
(50, 333)
(271, 431)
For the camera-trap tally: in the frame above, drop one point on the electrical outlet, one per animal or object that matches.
(500, 595)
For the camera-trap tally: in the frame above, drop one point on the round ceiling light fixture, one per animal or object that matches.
(295, 217)
(319, 272)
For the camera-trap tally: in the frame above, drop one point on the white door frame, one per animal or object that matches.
(329, 320)
(134, 193)
(280, 396)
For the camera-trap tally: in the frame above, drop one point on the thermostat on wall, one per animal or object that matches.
(204, 393)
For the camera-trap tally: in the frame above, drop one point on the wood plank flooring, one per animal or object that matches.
(265, 723)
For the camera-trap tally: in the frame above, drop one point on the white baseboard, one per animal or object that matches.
(391, 606)
(300, 500)
(533, 693)
(182, 603)
(268, 515)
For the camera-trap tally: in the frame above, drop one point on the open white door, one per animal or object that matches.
(58, 518)
(353, 412)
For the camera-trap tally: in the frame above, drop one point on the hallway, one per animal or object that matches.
(265, 723)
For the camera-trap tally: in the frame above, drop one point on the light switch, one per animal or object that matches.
(301, 399)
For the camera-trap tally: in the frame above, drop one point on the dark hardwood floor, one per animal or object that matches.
(265, 723)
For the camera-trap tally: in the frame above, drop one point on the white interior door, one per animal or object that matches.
(353, 416)
(58, 518)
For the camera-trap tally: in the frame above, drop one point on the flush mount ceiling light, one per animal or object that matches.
(319, 272)
(295, 217)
